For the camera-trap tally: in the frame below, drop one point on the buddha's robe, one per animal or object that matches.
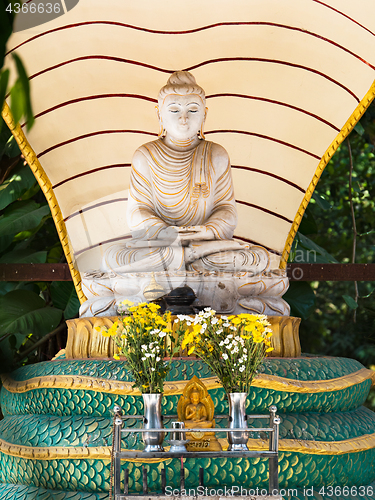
(175, 188)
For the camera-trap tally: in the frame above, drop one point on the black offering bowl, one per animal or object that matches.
(180, 300)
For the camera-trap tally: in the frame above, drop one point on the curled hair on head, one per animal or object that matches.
(181, 82)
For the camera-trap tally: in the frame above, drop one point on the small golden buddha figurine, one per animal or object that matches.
(196, 409)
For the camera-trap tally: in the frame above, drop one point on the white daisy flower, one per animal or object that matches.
(242, 368)
(225, 356)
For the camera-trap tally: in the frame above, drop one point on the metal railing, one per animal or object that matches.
(118, 429)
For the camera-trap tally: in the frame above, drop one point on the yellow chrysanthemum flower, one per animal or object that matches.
(126, 303)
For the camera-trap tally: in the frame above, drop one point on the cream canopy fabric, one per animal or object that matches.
(282, 79)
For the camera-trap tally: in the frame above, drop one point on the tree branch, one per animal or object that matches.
(355, 234)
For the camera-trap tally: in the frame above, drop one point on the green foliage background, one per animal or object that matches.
(334, 324)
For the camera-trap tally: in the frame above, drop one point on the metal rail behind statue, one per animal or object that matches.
(272, 453)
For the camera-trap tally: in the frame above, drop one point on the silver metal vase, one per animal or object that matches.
(237, 420)
(152, 419)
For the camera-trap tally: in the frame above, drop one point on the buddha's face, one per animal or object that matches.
(194, 398)
(182, 115)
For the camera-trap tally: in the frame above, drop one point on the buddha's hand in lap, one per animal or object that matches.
(197, 250)
(195, 233)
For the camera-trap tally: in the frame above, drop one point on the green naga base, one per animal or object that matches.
(56, 435)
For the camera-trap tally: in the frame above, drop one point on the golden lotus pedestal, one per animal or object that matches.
(85, 341)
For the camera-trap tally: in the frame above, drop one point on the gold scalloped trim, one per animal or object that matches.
(46, 186)
(75, 382)
(354, 445)
(342, 135)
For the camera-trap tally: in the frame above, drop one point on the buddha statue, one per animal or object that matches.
(182, 215)
(196, 409)
(181, 208)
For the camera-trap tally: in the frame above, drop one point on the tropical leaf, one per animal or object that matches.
(5, 242)
(308, 223)
(9, 346)
(350, 301)
(315, 253)
(301, 299)
(6, 23)
(24, 257)
(23, 311)
(23, 216)
(4, 78)
(8, 286)
(21, 180)
(322, 202)
(17, 101)
(64, 297)
(25, 85)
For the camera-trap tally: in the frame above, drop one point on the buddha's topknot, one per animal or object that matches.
(181, 82)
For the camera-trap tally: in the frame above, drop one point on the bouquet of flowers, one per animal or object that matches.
(143, 337)
(232, 346)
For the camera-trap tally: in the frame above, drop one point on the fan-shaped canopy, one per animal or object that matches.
(286, 80)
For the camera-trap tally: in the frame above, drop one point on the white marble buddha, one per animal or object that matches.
(181, 209)
(182, 215)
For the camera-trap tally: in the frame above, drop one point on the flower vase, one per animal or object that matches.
(237, 420)
(152, 419)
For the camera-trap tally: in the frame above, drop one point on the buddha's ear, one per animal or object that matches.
(205, 113)
(158, 111)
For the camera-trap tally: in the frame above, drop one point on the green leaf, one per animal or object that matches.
(8, 286)
(11, 189)
(322, 202)
(359, 129)
(11, 148)
(314, 254)
(4, 78)
(4, 137)
(24, 257)
(35, 188)
(301, 299)
(24, 81)
(308, 224)
(350, 301)
(22, 311)
(64, 297)
(5, 242)
(24, 215)
(8, 349)
(17, 101)
(6, 23)
(55, 254)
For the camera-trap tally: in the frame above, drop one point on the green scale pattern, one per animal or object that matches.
(17, 492)
(82, 418)
(43, 430)
(78, 402)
